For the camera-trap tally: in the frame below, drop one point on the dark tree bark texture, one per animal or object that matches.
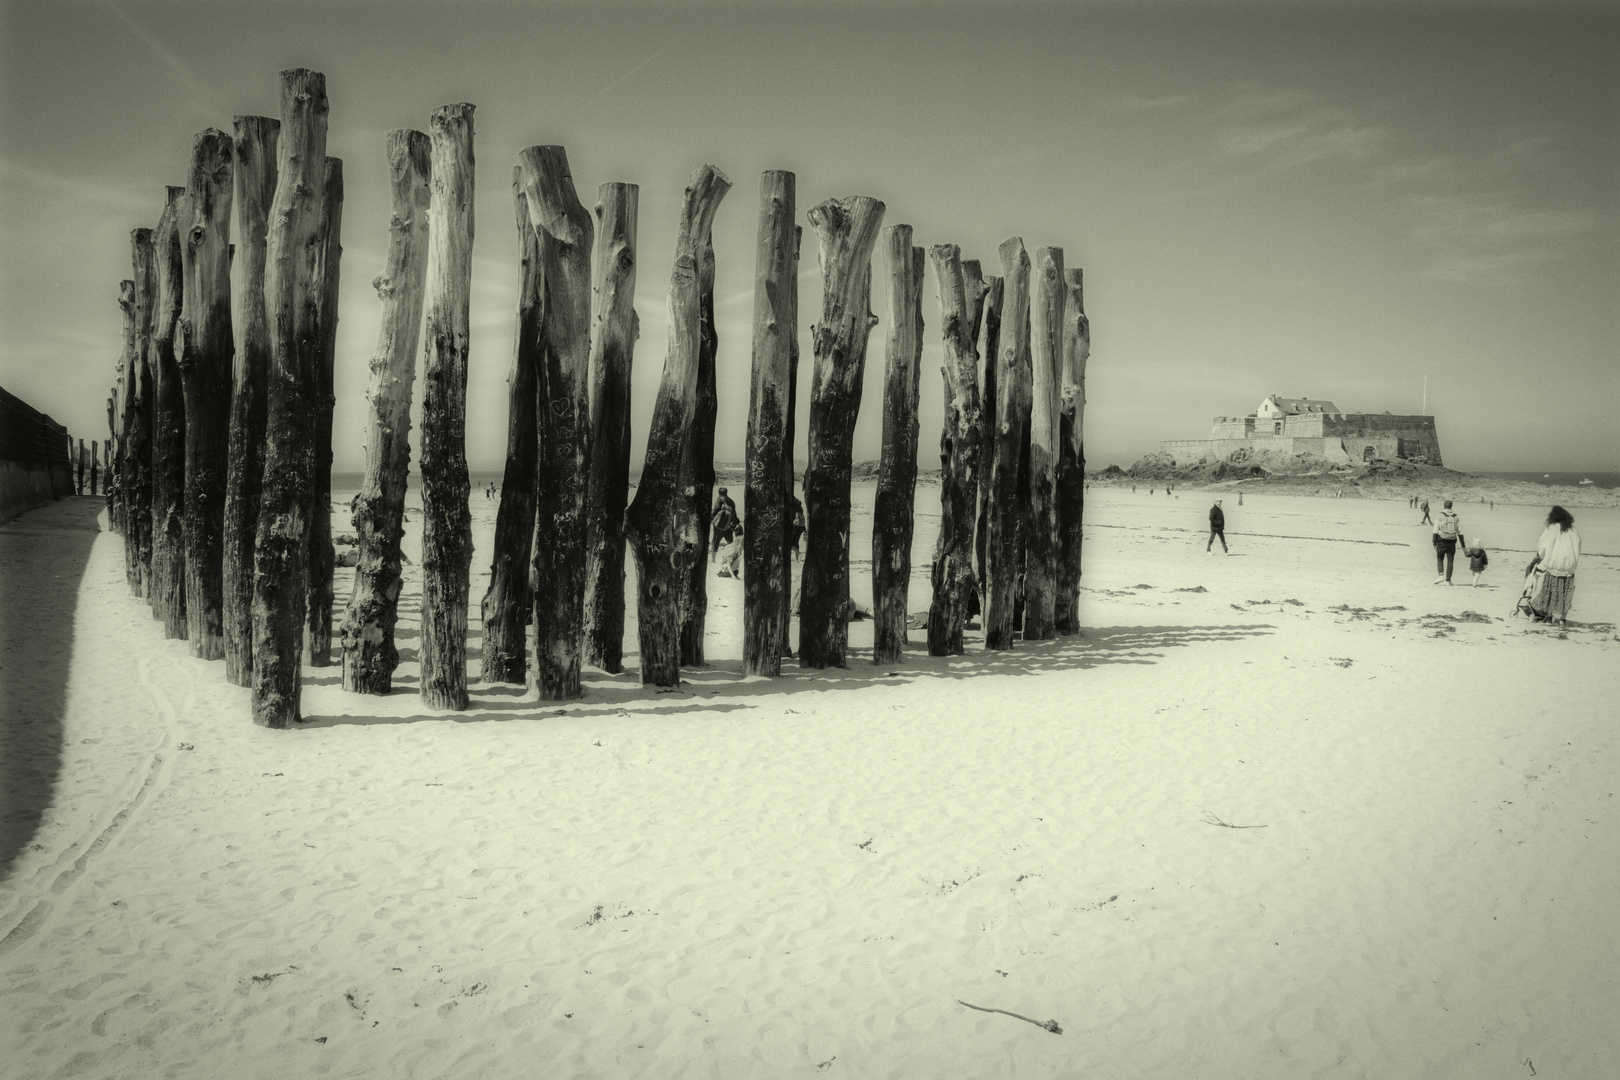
(699, 468)
(959, 454)
(321, 554)
(138, 435)
(994, 293)
(168, 590)
(1012, 406)
(892, 515)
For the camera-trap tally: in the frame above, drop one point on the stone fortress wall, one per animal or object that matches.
(1297, 426)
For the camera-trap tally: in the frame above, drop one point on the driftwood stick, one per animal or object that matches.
(1046, 357)
(659, 522)
(959, 453)
(892, 518)
(321, 554)
(1012, 407)
(206, 358)
(612, 350)
(508, 602)
(446, 520)
(1071, 479)
(563, 435)
(768, 476)
(291, 304)
(846, 232)
(698, 468)
(369, 653)
(255, 146)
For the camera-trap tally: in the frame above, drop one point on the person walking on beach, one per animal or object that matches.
(722, 525)
(1558, 556)
(1477, 559)
(798, 525)
(1217, 528)
(1447, 535)
(1424, 506)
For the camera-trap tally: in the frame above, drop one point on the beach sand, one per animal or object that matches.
(1292, 812)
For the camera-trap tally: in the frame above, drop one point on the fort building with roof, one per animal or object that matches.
(1299, 426)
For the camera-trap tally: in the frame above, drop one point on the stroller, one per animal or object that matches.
(1534, 579)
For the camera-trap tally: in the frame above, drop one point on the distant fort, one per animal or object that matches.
(1300, 425)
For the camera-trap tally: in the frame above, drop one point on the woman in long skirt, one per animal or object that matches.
(1558, 556)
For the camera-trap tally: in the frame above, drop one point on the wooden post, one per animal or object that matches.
(1012, 406)
(846, 230)
(897, 470)
(1046, 358)
(509, 600)
(767, 476)
(95, 466)
(699, 469)
(124, 398)
(78, 469)
(790, 431)
(994, 294)
(959, 453)
(563, 435)
(369, 654)
(612, 349)
(291, 291)
(138, 436)
(446, 520)
(321, 554)
(168, 591)
(659, 523)
(1071, 478)
(255, 146)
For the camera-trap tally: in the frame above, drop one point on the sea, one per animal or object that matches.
(1606, 480)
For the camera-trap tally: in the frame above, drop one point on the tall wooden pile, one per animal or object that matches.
(1013, 377)
(321, 554)
(1046, 356)
(1072, 454)
(897, 468)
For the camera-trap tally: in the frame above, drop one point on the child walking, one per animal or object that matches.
(1477, 559)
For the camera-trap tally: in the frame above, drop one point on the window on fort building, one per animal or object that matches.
(1276, 427)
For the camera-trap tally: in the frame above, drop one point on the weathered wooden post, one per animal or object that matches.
(78, 469)
(959, 453)
(168, 590)
(446, 519)
(369, 654)
(255, 147)
(138, 453)
(321, 554)
(768, 461)
(563, 435)
(1012, 406)
(1071, 479)
(897, 469)
(123, 395)
(1046, 359)
(659, 522)
(789, 442)
(508, 601)
(95, 466)
(846, 230)
(612, 349)
(206, 357)
(994, 293)
(699, 469)
(291, 292)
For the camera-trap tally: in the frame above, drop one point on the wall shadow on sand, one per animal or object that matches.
(43, 554)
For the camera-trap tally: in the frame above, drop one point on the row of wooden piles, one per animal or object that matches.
(221, 431)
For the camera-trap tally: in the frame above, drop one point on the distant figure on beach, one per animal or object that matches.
(1477, 559)
(722, 525)
(1217, 528)
(1240, 498)
(1424, 506)
(1558, 556)
(798, 525)
(1447, 535)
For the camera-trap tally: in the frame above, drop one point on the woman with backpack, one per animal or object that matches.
(1447, 535)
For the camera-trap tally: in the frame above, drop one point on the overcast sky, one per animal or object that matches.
(1331, 200)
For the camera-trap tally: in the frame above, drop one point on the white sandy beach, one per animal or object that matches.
(756, 878)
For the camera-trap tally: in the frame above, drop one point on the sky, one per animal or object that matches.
(1378, 204)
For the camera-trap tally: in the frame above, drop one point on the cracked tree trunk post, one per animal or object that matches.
(959, 452)
(563, 434)
(768, 464)
(892, 515)
(321, 554)
(509, 600)
(446, 519)
(138, 454)
(124, 398)
(1012, 406)
(612, 349)
(207, 355)
(168, 590)
(659, 524)
(255, 146)
(699, 468)
(1071, 478)
(1046, 359)
(790, 431)
(846, 232)
(77, 453)
(292, 305)
(369, 653)
(994, 293)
